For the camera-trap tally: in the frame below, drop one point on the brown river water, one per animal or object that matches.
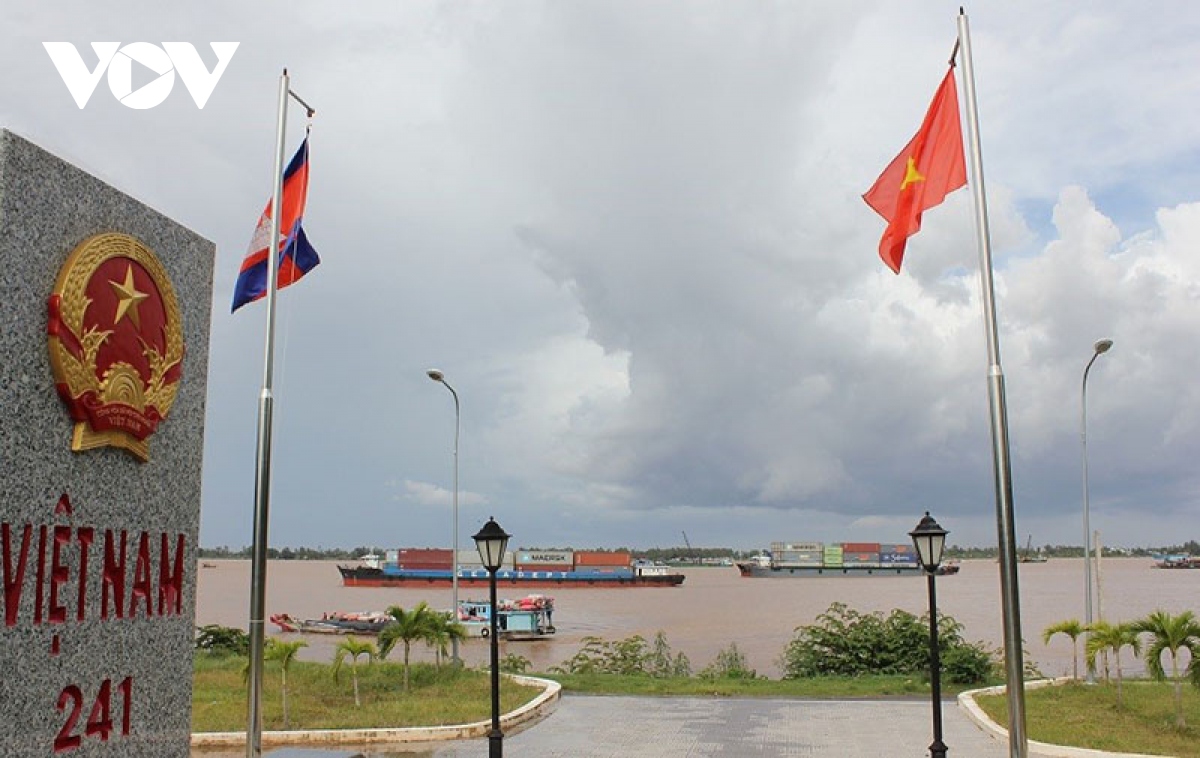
(716, 607)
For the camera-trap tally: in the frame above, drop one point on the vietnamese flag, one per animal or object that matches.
(930, 167)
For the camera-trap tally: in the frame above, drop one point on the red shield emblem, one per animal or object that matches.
(116, 345)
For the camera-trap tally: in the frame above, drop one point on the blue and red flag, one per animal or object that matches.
(296, 256)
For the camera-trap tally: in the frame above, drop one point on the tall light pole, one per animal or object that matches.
(439, 377)
(930, 539)
(1098, 349)
(491, 542)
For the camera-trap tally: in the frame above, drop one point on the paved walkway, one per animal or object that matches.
(638, 727)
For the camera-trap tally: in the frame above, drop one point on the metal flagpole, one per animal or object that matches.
(262, 473)
(1013, 664)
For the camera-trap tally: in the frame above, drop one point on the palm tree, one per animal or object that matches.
(1172, 634)
(1102, 637)
(353, 648)
(1073, 629)
(283, 653)
(405, 626)
(443, 628)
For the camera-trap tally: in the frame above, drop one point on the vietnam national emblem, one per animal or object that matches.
(116, 344)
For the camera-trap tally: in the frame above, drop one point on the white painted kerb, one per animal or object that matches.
(966, 701)
(533, 711)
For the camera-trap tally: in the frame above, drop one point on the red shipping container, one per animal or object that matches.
(860, 547)
(426, 554)
(601, 558)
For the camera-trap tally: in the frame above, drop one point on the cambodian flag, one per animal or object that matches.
(296, 256)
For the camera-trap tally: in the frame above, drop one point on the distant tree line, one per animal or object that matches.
(1191, 547)
(695, 554)
(287, 553)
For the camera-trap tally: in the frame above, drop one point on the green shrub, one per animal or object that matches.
(222, 640)
(663, 664)
(730, 663)
(628, 657)
(846, 642)
(512, 663)
(967, 664)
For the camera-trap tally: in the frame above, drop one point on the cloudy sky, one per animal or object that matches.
(631, 235)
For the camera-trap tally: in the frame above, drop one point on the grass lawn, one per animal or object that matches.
(1083, 716)
(315, 701)
(1088, 716)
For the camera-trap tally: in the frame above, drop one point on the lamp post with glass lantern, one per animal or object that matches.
(1098, 349)
(930, 539)
(491, 541)
(440, 377)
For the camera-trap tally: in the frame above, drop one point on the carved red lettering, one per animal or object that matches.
(86, 535)
(59, 573)
(14, 579)
(70, 701)
(141, 578)
(170, 583)
(113, 586)
(126, 688)
(41, 575)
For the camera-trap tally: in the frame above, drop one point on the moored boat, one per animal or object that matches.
(425, 567)
(339, 622)
(528, 618)
(1178, 562)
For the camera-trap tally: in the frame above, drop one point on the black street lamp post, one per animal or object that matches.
(930, 539)
(491, 541)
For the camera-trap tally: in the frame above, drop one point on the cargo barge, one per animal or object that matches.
(434, 567)
(840, 559)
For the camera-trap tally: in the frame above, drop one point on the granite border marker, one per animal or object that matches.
(96, 645)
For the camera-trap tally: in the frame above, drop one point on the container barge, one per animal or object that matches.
(434, 567)
(839, 559)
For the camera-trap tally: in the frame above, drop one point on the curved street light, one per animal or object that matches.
(491, 541)
(440, 378)
(930, 540)
(1098, 349)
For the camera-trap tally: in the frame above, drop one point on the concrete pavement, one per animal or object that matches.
(587, 726)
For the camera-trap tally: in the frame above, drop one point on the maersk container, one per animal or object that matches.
(563, 559)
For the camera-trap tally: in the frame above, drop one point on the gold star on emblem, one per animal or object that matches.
(911, 175)
(128, 299)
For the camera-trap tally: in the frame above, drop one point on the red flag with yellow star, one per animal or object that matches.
(930, 167)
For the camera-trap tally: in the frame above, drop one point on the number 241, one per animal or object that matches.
(99, 723)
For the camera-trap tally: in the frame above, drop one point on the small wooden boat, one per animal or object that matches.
(370, 623)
